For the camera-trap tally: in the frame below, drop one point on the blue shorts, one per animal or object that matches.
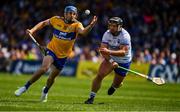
(121, 71)
(58, 62)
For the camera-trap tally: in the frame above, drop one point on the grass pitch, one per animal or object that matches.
(69, 94)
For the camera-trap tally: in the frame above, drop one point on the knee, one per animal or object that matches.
(44, 69)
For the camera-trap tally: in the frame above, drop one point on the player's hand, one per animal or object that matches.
(115, 65)
(125, 48)
(94, 20)
(104, 51)
(29, 31)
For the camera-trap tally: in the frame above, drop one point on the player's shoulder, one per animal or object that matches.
(125, 33)
(77, 22)
(56, 18)
(107, 32)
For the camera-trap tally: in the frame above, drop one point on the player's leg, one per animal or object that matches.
(54, 72)
(56, 68)
(118, 78)
(105, 68)
(47, 61)
(117, 82)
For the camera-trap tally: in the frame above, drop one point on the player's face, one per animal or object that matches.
(70, 16)
(113, 27)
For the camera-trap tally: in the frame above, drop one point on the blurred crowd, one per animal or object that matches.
(153, 25)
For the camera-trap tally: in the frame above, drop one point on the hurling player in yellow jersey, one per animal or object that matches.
(65, 31)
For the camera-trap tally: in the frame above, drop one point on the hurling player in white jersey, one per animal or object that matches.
(116, 50)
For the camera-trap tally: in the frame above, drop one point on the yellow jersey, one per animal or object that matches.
(64, 36)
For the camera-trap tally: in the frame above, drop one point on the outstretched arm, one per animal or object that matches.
(39, 26)
(86, 30)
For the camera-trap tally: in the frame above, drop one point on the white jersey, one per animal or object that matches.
(114, 43)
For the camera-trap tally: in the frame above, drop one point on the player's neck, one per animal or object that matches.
(116, 33)
(68, 22)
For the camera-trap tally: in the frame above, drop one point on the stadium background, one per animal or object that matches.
(153, 25)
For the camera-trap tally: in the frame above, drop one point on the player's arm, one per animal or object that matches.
(39, 26)
(84, 31)
(121, 52)
(107, 56)
(104, 46)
